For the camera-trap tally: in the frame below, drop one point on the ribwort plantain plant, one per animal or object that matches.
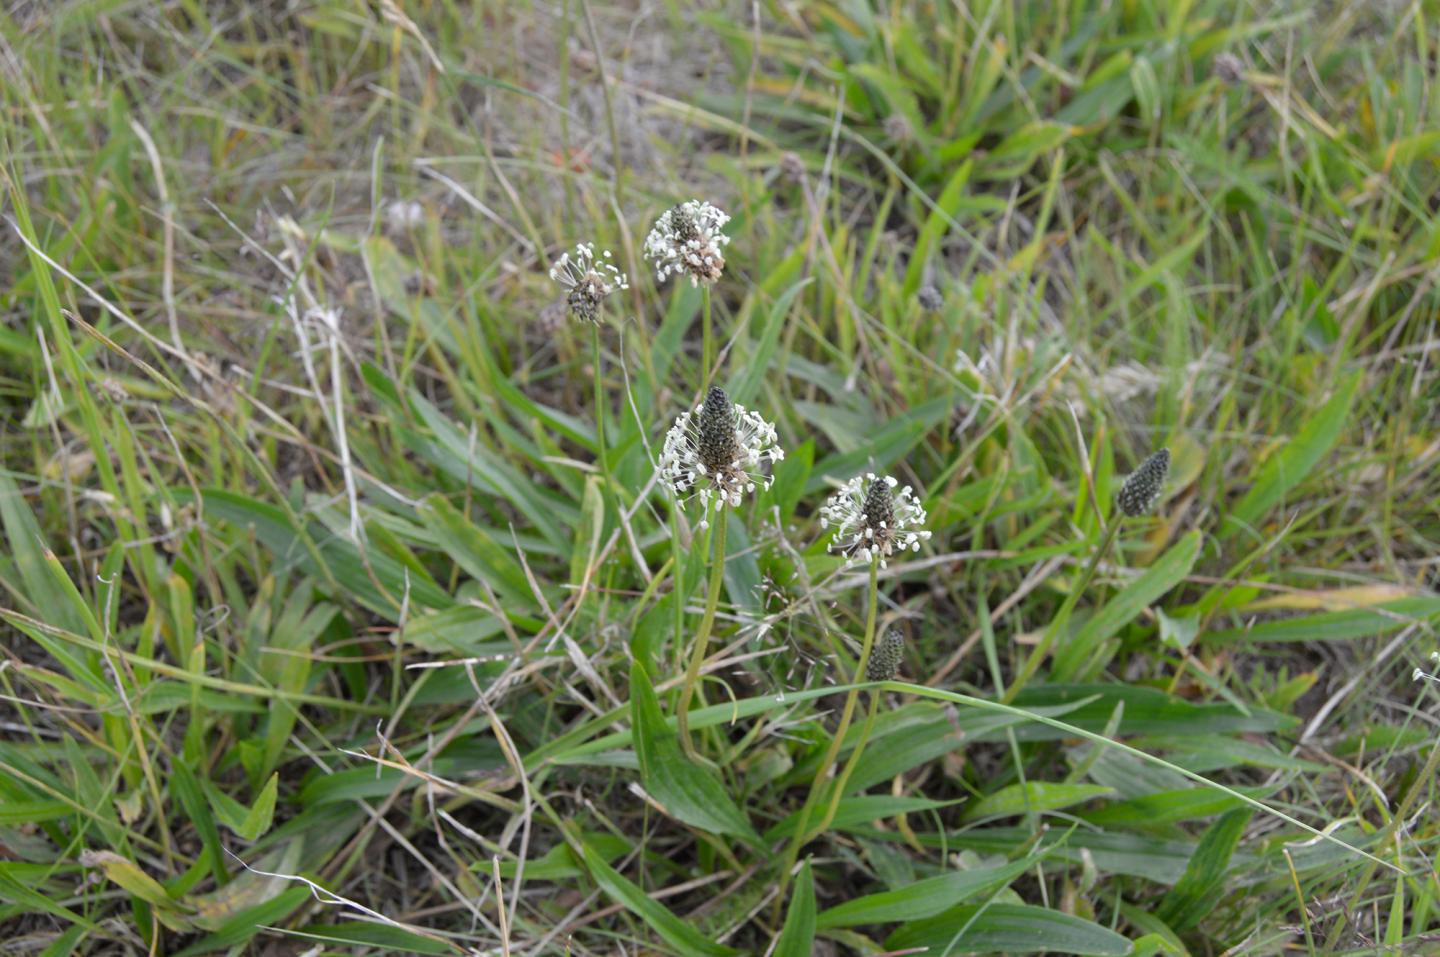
(589, 281)
(719, 452)
(871, 524)
(1138, 495)
(687, 240)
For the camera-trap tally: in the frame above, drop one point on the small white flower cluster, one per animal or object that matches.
(872, 522)
(692, 463)
(588, 279)
(1420, 674)
(687, 239)
(719, 451)
(401, 215)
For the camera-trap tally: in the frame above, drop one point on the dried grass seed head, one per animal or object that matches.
(687, 239)
(1141, 489)
(718, 452)
(588, 279)
(872, 521)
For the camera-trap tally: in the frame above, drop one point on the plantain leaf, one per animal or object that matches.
(1013, 928)
(249, 823)
(925, 898)
(680, 935)
(1198, 890)
(355, 573)
(756, 366)
(1033, 796)
(1337, 625)
(797, 937)
(687, 791)
(1295, 460)
(472, 548)
(1167, 572)
(936, 226)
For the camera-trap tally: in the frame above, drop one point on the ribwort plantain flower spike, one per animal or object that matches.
(687, 239)
(872, 521)
(1142, 488)
(930, 298)
(718, 452)
(1228, 68)
(588, 280)
(885, 658)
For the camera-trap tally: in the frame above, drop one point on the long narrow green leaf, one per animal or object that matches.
(882, 449)
(19, 891)
(982, 704)
(797, 937)
(1345, 625)
(29, 553)
(1012, 928)
(757, 365)
(473, 462)
(1294, 461)
(1198, 891)
(672, 929)
(1167, 572)
(1033, 796)
(925, 898)
(936, 225)
(356, 573)
(689, 792)
(470, 547)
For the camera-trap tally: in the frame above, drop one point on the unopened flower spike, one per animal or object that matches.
(687, 239)
(872, 521)
(1142, 488)
(1228, 68)
(589, 280)
(719, 451)
(885, 657)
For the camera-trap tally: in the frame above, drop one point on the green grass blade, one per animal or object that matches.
(1296, 459)
(680, 935)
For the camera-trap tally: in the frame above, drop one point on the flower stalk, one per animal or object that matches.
(599, 405)
(718, 452)
(707, 342)
(1139, 494)
(804, 833)
(702, 637)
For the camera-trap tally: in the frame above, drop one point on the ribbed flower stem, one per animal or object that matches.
(803, 832)
(718, 524)
(707, 342)
(839, 790)
(599, 405)
(1057, 624)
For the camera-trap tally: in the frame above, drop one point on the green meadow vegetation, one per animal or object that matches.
(360, 595)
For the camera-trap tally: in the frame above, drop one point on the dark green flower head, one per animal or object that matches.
(1142, 488)
(885, 657)
(718, 447)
